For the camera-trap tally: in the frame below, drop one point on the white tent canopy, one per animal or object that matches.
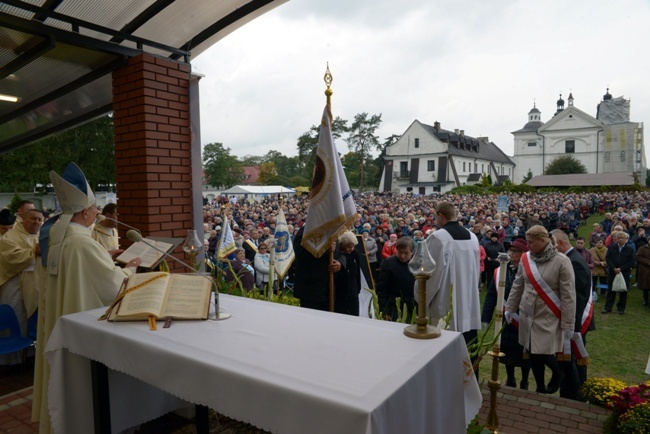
(259, 189)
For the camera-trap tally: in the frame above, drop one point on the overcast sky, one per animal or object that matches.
(474, 65)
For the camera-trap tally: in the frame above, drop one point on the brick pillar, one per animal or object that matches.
(153, 148)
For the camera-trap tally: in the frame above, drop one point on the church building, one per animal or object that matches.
(607, 143)
(428, 159)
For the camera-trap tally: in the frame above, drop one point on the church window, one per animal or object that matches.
(417, 143)
(570, 146)
(431, 165)
(531, 144)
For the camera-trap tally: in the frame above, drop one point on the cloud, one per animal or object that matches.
(471, 65)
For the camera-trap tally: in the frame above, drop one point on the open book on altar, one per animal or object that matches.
(150, 256)
(160, 294)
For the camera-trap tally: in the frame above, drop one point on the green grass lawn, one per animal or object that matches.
(619, 347)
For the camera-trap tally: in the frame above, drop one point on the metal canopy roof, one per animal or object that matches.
(57, 56)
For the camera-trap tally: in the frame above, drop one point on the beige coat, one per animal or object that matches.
(540, 331)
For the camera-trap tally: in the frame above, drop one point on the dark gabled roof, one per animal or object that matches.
(474, 148)
(530, 126)
(474, 177)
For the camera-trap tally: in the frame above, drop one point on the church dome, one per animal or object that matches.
(607, 96)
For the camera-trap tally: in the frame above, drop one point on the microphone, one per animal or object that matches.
(135, 236)
(102, 217)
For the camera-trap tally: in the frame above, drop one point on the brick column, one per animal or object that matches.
(153, 148)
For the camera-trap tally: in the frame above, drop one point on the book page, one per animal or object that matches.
(148, 254)
(146, 300)
(188, 296)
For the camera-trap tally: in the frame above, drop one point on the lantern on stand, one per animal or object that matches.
(422, 266)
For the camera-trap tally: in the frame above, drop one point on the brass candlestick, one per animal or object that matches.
(422, 266)
(421, 329)
(492, 422)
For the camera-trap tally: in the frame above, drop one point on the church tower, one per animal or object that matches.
(560, 106)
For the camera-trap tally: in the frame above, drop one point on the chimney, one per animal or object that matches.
(436, 125)
(462, 132)
(456, 131)
(485, 139)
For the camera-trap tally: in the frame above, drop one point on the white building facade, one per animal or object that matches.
(609, 143)
(428, 159)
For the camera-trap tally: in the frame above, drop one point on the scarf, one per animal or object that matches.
(600, 253)
(546, 255)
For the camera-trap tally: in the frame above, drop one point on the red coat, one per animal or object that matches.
(389, 249)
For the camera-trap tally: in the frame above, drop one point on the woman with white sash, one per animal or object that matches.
(544, 293)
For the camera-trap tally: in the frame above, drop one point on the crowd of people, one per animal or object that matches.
(465, 235)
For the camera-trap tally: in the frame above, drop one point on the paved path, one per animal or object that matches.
(520, 412)
(524, 412)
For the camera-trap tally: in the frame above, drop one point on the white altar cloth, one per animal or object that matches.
(281, 368)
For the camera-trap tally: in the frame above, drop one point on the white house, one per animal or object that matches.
(609, 143)
(428, 159)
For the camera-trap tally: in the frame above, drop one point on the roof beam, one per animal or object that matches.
(142, 19)
(49, 5)
(226, 21)
(49, 129)
(27, 57)
(64, 90)
(69, 37)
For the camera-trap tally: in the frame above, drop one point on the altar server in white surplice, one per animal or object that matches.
(456, 252)
(80, 273)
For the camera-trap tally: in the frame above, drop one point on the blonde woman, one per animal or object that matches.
(544, 293)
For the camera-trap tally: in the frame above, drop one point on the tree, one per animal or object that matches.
(220, 168)
(288, 166)
(352, 167)
(565, 165)
(267, 173)
(528, 177)
(90, 145)
(251, 160)
(362, 139)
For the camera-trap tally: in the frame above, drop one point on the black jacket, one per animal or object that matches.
(394, 280)
(623, 260)
(583, 286)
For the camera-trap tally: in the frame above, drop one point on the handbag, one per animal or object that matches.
(619, 284)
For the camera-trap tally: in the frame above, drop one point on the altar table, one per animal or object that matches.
(281, 368)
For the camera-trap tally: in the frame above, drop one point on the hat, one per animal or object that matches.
(236, 229)
(73, 194)
(494, 235)
(72, 190)
(519, 244)
(537, 231)
(6, 218)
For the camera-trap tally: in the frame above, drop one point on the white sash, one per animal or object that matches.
(543, 290)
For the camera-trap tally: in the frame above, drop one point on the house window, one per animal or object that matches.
(570, 146)
(531, 144)
(482, 168)
(431, 165)
(403, 169)
(475, 167)
(417, 143)
(463, 166)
